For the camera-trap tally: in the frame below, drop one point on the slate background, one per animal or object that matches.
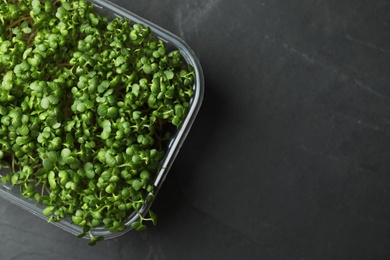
(289, 156)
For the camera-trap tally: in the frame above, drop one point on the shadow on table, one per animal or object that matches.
(171, 195)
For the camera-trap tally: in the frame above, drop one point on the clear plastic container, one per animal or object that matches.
(111, 10)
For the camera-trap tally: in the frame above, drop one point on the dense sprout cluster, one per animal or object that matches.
(86, 105)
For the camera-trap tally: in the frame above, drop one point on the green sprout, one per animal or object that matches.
(87, 107)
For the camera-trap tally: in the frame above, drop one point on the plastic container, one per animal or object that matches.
(111, 10)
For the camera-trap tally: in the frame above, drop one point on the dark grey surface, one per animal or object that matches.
(289, 156)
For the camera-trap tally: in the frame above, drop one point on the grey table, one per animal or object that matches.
(289, 156)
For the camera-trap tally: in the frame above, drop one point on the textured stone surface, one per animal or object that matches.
(289, 156)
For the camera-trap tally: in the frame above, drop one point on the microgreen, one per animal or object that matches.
(87, 106)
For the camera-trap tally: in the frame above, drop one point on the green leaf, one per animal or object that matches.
(53, 155)
(145, 175)
(37, 197)
(45, 103)
(169, 74)
(88, 166)
(52, 184)
(112, 112)
(77, 220)
(41, 172)
(176, 120)
(135, 224)
(92, 242)
(141, 227)
(150, 198)
(136, 184)
(14, 179)
(153, 216)
(135, 89)
(23, 130)
(81, 107)
(81, 235)
(53, 99)
(48, 164)
(70, 185)
(90, 174)
(48, 211)
(65, 153)
(110, 160)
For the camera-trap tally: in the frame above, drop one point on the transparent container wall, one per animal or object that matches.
(110, 10)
